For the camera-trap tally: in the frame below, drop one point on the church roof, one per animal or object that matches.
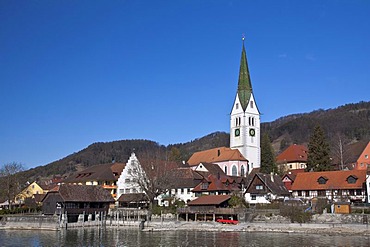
(244, 83)
(216, 155)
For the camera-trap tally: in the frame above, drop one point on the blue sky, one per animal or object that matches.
(77, 72)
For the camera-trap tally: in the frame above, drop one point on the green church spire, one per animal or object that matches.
(244, 83)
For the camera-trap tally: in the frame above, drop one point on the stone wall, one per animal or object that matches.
(317, 218)
(29, 222)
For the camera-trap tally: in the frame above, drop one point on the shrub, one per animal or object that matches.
(295, 213)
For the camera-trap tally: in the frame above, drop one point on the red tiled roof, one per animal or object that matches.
(335, 180)
(209, 200)
(293, 153)
(216, 155)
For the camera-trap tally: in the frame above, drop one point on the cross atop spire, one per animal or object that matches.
(244, 83)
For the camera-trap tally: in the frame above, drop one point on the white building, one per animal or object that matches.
(126, 182)
(245, 118)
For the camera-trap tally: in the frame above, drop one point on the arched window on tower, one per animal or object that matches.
(240, 121)
(234, 171)
(225, 170)
(252, 121)
(249, 121)
(251, 104)
(242, 171)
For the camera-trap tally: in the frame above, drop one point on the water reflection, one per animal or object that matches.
(134, 237)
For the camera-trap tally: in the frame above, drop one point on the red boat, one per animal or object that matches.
(225, 221)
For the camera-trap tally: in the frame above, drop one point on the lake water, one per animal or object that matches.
(134, 237)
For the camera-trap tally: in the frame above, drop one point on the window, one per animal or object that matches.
(259, 187)
(250, 121)
(234, 171)
(290, 166)
(307, 193)
(251, 104)
(303, 166)
(242, 172)
(351, 192)
(204, 186)
(366, 156)
(253, 197)
(225, 170)
(358, 192)
(182, 190)
(237, 106)
(299, 192)
(127, 180)
(321, 193)
(322, 180)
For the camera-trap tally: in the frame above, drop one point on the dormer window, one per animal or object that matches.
(322, 180)
(352, 179)
(204, 186)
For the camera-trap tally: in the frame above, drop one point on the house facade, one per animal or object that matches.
(363, 161)
(105, 175)
(292, 158)
(126, 182)
(264, 188)
(289, 177)
(32, 189)
(348, 185)
(75, 200)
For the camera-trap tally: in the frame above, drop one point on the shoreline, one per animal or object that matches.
(250, 227)
(288, 228)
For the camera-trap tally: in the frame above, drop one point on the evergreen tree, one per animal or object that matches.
(318, 158)
(268, 163)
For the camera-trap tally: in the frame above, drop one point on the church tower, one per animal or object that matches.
(245, 118)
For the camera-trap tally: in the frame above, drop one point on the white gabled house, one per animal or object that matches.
(126, 182)
(263, 188)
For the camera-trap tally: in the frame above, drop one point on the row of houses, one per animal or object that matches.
(216, 172)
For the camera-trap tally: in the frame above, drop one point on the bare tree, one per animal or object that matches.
(10, 187)
(340, 151)
(152, 175)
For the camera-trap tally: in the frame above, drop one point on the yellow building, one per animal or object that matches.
(28, 192)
